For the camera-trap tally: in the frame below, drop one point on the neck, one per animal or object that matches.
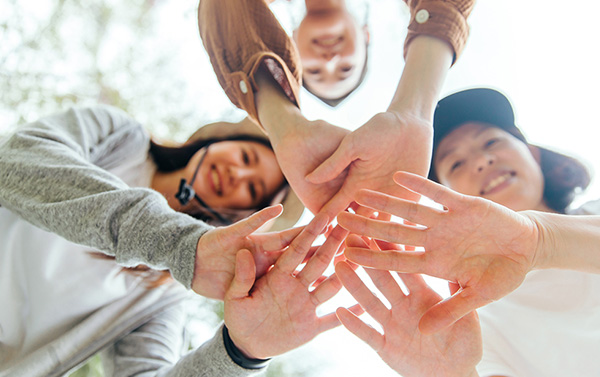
(167, 184)
(317, 6)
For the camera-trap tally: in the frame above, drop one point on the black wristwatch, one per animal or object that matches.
(238, 357)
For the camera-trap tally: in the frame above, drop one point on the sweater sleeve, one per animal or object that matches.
(49, 176)
(154, 349)
(443, 19)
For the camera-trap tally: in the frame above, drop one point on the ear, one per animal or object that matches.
(536, 153)
(367, 34)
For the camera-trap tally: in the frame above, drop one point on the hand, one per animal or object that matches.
(302, 148)
(216, 251)
(485, 248)
(276, 313)
(372, 154)
(454, 351)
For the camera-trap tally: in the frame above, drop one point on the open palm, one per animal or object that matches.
(484, 247)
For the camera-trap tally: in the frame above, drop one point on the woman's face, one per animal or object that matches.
(333, 51)
(235, 174)
(481, 160)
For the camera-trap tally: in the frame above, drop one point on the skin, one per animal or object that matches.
(474, 158)
(452, 352)
(327, 165)
(277, 312)
(234, 174)
(332, 48)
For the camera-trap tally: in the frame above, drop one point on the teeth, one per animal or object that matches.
(496, 182)
(216, 180)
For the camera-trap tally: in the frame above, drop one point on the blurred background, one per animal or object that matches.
(146, 57)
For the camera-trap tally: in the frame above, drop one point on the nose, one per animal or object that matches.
(238, 174)
(483, 161)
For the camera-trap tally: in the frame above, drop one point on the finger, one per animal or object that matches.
(249, 225)
(384, 230)
(355, 241)
(323, 257)
(385, 245)
(301, 245)
(453, 287)
(416, 285)
(384, 216)
(450, 310)
(406, 209)
(334, 165)
(327, 322)
(244, 277)
(434, 191)
(363, 331)
(364, 211)
(405, 261)
(338, 203)
(326, 290)
(274, 241)
(386, 284)
(361, 293)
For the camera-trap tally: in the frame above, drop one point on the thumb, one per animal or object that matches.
(334, 165)
(244, 277)
(446, 312)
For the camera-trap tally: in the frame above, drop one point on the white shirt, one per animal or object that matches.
(549, 326)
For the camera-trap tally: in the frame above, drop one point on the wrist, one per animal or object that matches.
(542, 241)
(240, 357)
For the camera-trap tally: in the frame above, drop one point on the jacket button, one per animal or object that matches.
(243, 87)
(422, 16)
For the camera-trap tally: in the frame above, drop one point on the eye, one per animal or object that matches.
(346, 68)
(245, 157)
(456, 165)
(314, 71)
(490, 142)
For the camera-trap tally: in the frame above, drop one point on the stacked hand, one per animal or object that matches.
(452, 352)
(216, 251)
(485, 248)
(276, 313)
(369, 156)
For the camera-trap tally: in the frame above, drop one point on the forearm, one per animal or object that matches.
(567, 242)
(427, 62)
(48, 177)
(276, 113)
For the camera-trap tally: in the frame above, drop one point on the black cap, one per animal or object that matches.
(481, 105)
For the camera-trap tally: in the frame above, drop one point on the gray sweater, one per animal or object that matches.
(52, 174)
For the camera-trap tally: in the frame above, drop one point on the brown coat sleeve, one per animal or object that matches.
(242, 35)
(443, 19)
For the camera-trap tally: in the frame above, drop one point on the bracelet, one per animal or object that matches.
(238, 357)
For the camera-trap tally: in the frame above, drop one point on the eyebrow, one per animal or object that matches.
(451, 150)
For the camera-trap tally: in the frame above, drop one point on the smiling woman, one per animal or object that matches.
(228, 169)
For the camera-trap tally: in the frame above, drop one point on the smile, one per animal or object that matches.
(496, 182)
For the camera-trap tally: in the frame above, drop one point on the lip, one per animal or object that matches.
(497, 181)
